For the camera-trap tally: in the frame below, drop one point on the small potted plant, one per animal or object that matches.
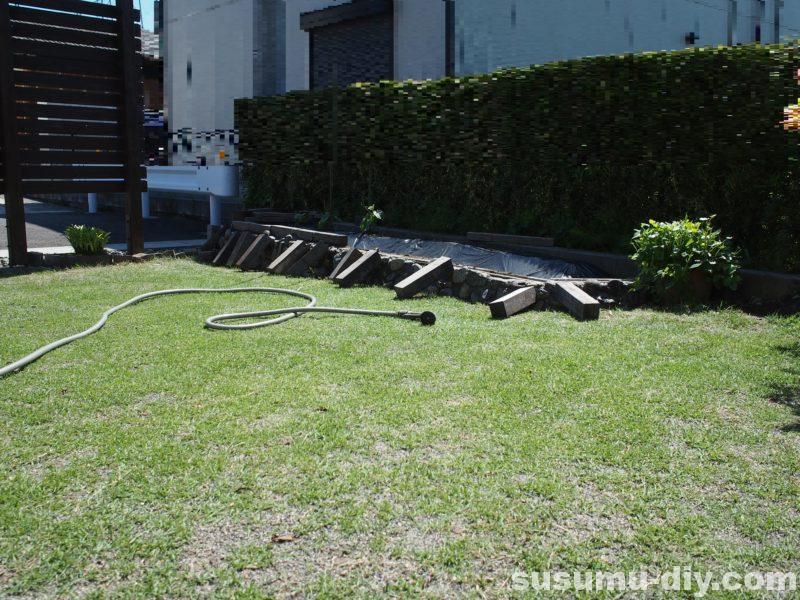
(684, 261)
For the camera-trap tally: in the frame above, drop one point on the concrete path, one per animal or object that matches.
(45, 225)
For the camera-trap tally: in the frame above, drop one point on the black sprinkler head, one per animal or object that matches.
(428, 318)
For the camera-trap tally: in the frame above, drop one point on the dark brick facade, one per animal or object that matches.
(355, 50)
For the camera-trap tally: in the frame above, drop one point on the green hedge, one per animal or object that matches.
(582, 150)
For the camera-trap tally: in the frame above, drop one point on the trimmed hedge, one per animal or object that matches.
(581, 150)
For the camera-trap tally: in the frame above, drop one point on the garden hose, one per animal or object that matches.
(280, 315)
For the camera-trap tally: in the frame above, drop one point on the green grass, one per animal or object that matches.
(157, 458)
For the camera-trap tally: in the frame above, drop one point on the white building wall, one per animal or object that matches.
(786, 15)
(217, 38)
(504, 33)
(241, 48)
(419, 39)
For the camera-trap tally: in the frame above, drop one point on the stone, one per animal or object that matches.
(396, 264)
(475, 279)
(411, 267)
(459, 275)
(464, 292)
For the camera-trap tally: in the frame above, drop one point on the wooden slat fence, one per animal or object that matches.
(71, 105)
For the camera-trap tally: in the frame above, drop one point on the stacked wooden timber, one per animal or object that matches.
(254, 247)
(517, 240)
(419, 281)
(359, 270)
(287, 250)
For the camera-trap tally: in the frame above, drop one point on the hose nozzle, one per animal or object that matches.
(427, 318)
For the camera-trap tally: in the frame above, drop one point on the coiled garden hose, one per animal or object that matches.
(279, 315)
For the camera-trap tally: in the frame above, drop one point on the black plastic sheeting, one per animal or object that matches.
(472, 256)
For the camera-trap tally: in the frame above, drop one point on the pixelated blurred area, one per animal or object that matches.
(207, 148)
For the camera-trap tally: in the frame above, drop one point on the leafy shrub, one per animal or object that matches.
(582, 150)
(675, 258)
(87, 240)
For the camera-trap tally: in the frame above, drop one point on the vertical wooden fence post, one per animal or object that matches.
(15, 207)
(134, 117)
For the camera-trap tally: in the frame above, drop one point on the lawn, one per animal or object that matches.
(341, 456)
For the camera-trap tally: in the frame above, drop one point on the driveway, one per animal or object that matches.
(45, 224)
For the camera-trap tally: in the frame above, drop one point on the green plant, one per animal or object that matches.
(325, 221)
(372, 216)
(585, 149)
(301, 218)
(87, 240)
(681, 259)
(682, 431)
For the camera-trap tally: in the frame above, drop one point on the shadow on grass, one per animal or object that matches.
(7, 272)
(789, 394)
(789, 307)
